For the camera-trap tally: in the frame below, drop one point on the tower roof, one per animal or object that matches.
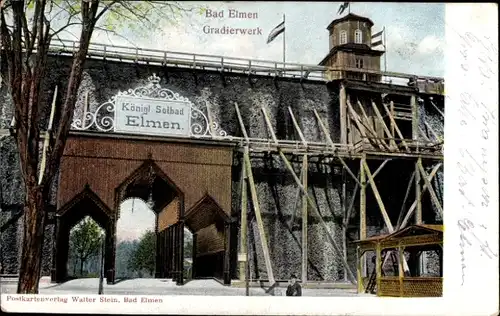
(350, 17)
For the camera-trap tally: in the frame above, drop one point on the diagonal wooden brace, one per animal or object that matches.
(429, 187)
(330, 142)
(414, 205)
(387, 220)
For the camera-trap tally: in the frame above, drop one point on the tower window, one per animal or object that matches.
(343, 37)
(359, 63)
(358, 37)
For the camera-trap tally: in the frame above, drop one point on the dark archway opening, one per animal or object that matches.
(84, 205)
(211, 228)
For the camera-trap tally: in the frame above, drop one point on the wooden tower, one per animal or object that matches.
(351, 49)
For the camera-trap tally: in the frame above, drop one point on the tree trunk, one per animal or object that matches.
(31, 255)
(81, 268)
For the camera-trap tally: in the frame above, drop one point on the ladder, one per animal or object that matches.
(372, 281)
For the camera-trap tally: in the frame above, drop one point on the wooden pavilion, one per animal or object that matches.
(412, 240)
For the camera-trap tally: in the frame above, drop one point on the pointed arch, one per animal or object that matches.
(143, 169)
(204, 213)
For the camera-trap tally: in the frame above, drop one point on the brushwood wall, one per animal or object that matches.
(276, 189)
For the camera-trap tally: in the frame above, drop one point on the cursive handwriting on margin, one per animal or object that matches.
(478, 65)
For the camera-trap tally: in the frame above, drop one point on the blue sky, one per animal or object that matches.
(415, 32)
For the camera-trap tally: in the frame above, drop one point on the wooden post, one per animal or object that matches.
(401, 273)
(392, 121)
(434, 197)
(304, 220)
(345, 220)
(415, 117)
(243, 230)
(258, 217)
(227, 254)
(362, 200)
(378, 267)
(418, 199)
(343, 114)
(362, 210)
(359, 276)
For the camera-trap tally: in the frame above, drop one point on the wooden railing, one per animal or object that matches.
(224, 63)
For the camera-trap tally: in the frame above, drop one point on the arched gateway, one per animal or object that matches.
(114, 153)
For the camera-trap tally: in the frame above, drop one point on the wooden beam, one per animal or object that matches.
(433, 132)
(392, 122)
(297, 127)
(309, 200)
(380, 167)
(414, 205)
(395, 125)
(304, 221)
(242, 125)
(363, 128)
(48, 136)
(330, 142)
(418, 197)
(258, 217)
(377, 197)
(368, 126)
(437, 109)
(345, 220)
(384, 126)
(362, 200)
(351, 204)
(343, 114)
(414, 117)
(360, 127)
(434, 197)
(423, 134)
(210, 121)
(244, 220)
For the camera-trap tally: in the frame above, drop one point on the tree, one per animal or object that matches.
(188, 244)
(85, 240)
(143, 258)
(27, 29)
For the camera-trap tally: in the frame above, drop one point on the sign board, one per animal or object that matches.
(242, 257)
(149, 116)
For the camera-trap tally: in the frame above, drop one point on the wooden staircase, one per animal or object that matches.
(372, 281)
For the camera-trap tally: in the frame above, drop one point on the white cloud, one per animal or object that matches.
(430, 45)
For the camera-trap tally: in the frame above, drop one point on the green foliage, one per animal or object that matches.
(188, 244)
(143, 258)
(85, 240)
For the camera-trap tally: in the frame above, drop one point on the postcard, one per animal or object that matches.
(242, 157)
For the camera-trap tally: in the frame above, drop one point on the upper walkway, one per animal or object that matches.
(425, 84)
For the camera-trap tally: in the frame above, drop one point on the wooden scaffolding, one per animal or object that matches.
(370, 145)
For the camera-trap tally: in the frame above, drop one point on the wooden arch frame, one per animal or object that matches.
(67, 217)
